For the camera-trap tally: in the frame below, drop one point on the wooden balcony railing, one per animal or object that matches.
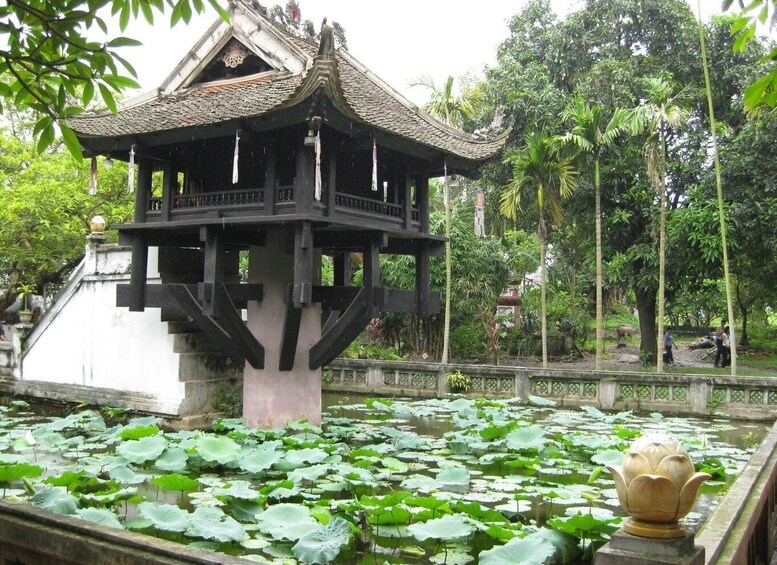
(283, 194)
(375, 207)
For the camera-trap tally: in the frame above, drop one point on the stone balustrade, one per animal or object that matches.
(749, 398)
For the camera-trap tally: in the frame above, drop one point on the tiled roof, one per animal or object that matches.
(203, 105)
(366, 98)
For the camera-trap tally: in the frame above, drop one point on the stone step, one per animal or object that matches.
(182, 327)
(207, 366)
(193, 343)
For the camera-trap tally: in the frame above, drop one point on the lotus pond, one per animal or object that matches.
(381, 481)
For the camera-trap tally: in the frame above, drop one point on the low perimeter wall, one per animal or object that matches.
(31, 536)
(742, 530)
(747, 398)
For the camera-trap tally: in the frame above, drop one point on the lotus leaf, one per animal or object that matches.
(237, 489)
(55, 500)
(287, 521)
(165, 516)
(255, 543)
(212, 523)
(454, 554)
(259, 459)
(15, 471)
(394, 465)
(245, 510)
(324, 544)
(308, 474)
(531, 437)
(175, 482)
(527, 551)
(217, 449)
(142, 450)
(125, 475)
(66, 479)
(100, 516)
(453, 478)
(609, 457)
(138, 432)
(447, 528)
(540, 401)
(172, 459)
(298, 457)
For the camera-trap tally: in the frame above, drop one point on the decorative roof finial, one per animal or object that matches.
(326, 47)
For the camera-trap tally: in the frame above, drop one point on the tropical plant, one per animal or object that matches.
(591, 136)
(458, 381)
(540, 170)
(662, 112)
(453, 110)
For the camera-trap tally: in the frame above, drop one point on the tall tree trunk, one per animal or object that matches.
(721, 209)
(661, 270)
(543, 296)
(646, 306)
(599, 281)
(661, 253)
(447, 321)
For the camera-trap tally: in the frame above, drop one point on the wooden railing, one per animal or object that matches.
(225, 198)
(368, 205)
(283, 194)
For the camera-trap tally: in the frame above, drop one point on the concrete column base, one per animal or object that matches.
(626, 549)
(273, 398)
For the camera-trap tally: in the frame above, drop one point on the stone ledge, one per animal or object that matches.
(30, 536)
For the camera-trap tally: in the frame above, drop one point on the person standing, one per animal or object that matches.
(668, 344)
(726, 347)
(719, 343)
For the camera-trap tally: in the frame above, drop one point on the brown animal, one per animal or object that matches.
(624, 330)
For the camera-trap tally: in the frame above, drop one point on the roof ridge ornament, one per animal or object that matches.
(326, 46)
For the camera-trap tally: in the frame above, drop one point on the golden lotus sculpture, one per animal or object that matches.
(657, 485)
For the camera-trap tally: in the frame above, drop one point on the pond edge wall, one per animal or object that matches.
(745, 398)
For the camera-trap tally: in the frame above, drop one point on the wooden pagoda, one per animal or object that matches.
(264, 142)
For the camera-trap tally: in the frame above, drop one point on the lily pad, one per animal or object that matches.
(447, 528)
(287, 521)
(211, 523)
(323, 545)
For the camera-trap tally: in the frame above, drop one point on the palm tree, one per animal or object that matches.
(591, 137)
(661, 112)
(541, 171)
(453, 110)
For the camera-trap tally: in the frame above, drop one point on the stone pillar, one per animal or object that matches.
(20, 333)
(271, 397)
(608, 393)
(626, 549)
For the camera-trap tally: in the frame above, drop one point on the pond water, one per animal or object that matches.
(382, 481)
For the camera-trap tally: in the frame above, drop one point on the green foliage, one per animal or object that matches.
(42, 230)
(308, 486)
(323, 545)
(458, 382)
(49, 66)
(358, 350)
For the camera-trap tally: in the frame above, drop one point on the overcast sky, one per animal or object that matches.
(399, 40)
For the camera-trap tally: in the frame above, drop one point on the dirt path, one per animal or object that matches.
(628, 355)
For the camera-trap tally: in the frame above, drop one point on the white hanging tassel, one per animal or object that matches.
(374, 167)
(235, 161)
(93, 177)
(318, 167)
(131, 171)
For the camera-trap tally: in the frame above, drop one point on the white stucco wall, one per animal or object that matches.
(84, 339)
